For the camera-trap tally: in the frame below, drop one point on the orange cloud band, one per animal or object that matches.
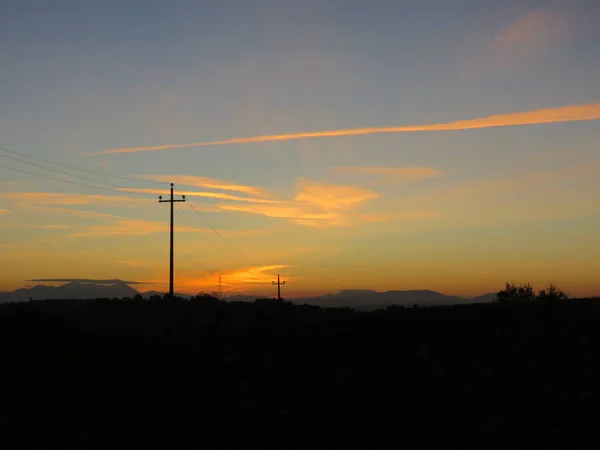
(569, 113)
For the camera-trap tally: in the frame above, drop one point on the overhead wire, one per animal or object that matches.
(59, 179)
(120, 190)
(137, 180)
(61, 172)
(243, 259)
(198, 230)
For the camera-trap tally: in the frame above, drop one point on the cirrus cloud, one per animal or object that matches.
(205, 182)
(532, 34)
(569, 113)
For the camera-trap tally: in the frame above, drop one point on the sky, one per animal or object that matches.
(449, 145)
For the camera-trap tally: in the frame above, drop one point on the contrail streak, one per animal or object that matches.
(570, 113)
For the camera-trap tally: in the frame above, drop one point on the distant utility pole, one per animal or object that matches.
(220, 291)
(278, 283)
(172, 202)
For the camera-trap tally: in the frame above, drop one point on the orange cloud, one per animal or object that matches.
(399, 173)
(280, 212)
(252, 275)
(205, 182)
(232, 280)
(316, 204)
(330, 197)
(4, 212)
(217, 195)
(548, 115)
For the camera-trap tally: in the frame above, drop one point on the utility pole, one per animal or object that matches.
(220, 291)
(278, 283)
(172, 202)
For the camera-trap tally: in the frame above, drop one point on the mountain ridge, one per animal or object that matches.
(359, 299)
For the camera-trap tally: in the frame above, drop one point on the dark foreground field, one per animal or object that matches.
(127, 375)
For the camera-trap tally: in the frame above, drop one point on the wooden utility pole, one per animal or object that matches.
(278, 283)
(172, 202)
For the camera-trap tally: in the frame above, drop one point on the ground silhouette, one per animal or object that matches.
(203, 373)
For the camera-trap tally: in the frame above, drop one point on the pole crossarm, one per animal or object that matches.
(172, 201)
(278, 283)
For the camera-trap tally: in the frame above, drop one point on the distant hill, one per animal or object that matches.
(485, 298)
(118, 289)
(76, 290)
(361, 300)
(368, 300)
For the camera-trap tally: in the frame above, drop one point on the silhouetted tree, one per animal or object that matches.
(552, 294)
(204, 298)
(520, 293)
(526, 293)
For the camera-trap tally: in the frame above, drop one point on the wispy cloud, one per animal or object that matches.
(530, 35)
(34, 226)
(568, 113)
(291, 211)
(82, 213)
(205, 182)
(518, 182)
(216, 195)
(397, 173)
(4, 212)
(379, 218)
(526, 39)
(119, 226)
(129, 227)
(46, 198)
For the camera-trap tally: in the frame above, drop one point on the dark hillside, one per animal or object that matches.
(122, 375)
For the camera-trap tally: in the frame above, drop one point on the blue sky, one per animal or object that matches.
(83, 77)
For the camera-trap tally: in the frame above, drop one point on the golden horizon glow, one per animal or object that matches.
(337, 157)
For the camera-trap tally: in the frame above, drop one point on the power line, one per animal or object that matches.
(72, 182)
(80, 168)
(107, 189)
(198, 229)
(222, 238)
(182, 217)
(58, 179)
(61, 172)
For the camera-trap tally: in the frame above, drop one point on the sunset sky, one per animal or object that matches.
(449, 145)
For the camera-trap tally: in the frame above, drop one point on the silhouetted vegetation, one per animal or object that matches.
(208, 374)
(525, 293)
